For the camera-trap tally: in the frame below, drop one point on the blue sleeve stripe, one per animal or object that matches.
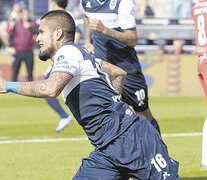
(12, 87)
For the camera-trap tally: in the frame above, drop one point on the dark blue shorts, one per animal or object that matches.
(139, 153)
(135, 92)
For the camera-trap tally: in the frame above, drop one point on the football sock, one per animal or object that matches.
(204, 144)
(155, 124)
(55, 105)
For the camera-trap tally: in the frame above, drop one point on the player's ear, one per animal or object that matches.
(59, 34)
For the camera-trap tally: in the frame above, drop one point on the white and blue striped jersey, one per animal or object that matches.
(118, 15)
(91, 97)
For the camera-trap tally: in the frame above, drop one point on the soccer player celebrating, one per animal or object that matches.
(200, 22)
(126, 145)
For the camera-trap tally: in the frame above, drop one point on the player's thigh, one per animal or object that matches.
(147, 114)
(96, 167)
(155, 154)
(135, 93)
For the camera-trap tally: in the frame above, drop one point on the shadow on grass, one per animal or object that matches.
(194, 178)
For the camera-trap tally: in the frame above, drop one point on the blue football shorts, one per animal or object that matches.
(135, 92)
(139, 153)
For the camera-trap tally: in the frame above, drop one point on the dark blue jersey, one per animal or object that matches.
(118, 15)
(91, 96)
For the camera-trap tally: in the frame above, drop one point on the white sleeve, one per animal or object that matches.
(67, 59)
(99, 61)
(126, 16)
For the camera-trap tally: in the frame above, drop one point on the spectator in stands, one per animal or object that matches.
(22, 42)
(142, 9)
(177, 47)
(7, 26)
(161, 49)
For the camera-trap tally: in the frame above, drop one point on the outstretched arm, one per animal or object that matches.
(116, 74)
(47, 88)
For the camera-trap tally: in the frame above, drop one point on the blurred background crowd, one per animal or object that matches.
(161, 24)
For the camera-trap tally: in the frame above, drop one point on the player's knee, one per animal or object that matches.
(146, 114)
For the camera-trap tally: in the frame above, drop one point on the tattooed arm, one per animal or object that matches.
(50, 87)
(128, 37)
(116, 74)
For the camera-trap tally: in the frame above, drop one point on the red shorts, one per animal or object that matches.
(202, 74)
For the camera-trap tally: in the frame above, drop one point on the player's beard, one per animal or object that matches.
(45, 55)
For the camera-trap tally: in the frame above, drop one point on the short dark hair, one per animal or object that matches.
(62, 3)
(62, 19)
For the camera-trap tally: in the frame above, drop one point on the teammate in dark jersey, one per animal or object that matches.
(126, 145)
(110, 34)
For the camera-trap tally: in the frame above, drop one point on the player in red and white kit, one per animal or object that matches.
(200, 23)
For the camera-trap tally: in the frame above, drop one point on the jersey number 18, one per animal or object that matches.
(201, 30)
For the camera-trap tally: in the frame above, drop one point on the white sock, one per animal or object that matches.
(204, 144)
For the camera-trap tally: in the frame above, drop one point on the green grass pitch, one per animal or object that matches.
(23, 118)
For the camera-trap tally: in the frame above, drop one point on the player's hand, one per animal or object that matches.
(89, 46)
(2, 86)
(97, 26)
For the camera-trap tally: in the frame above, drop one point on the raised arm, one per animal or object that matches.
(116, 74)
(128, 37)
(50, 87)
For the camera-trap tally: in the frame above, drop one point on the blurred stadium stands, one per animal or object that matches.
(166, 25)
(154, 33)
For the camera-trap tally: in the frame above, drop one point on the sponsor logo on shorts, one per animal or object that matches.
(165, 175)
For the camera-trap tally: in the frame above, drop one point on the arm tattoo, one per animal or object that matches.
(117, 76)
(125, 38)
(45, 88)
(118, 84)
(34, 89)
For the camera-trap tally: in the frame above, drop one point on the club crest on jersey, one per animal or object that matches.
(112, 4)
(88, 4)
(61, 57)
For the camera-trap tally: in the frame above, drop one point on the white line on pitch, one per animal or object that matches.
(43, 140)
(85, 138)
(182, 134)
